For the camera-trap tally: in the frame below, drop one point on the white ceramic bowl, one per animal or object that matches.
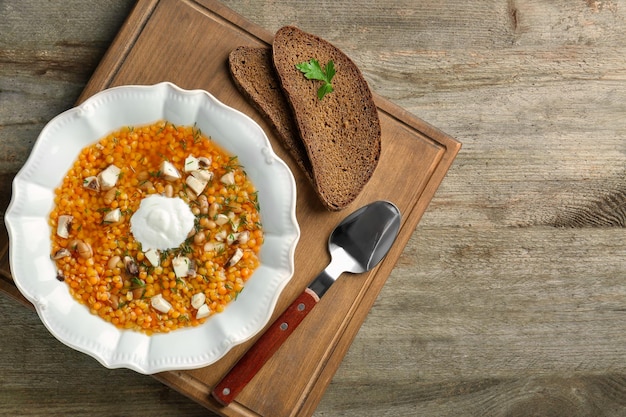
(53, 154)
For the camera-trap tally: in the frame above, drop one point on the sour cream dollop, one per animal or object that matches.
(161, 222)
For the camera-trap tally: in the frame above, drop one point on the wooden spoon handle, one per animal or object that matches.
(254, 359)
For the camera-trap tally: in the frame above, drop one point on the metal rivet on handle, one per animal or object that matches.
(226, 391)
(284, 326)
(301, 307)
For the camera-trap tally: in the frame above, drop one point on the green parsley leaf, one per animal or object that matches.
(312, 70)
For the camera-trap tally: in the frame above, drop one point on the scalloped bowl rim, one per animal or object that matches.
(49, 161)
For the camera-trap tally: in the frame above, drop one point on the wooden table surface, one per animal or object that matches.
(510, 298)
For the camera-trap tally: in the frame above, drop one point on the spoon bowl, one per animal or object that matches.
(359, 242)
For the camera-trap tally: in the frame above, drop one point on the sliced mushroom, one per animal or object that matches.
(234, 221)
(159, 303)
(232, 238)
(91, 183)
(61, 253)
(204, 162)
(181, 266)
(64, 225)
(191, 163)
(243, 237)
(169, 171)
(235, 258)
(113, 216)
(153, 256)
(197, 300)
(202, 174)
(203, 311)
(131, 266)
(108, 177)
(192, 271)
(196, 184)
(228, 178)
(60, 275)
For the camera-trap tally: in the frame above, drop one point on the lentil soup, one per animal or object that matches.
(159, 287)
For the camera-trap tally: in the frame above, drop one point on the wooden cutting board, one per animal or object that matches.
(187, 42)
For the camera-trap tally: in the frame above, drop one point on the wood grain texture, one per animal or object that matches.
(415, 158)
(264, 348)
(509, 299)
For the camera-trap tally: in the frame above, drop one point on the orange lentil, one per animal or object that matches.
(114, 293)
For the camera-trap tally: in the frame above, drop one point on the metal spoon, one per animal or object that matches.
(356, 245)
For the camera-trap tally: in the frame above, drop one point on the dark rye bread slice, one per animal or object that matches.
(253, 72)
(341, 132)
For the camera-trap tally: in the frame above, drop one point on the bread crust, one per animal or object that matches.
(341, 132)
(336, 141)
(253, 72)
